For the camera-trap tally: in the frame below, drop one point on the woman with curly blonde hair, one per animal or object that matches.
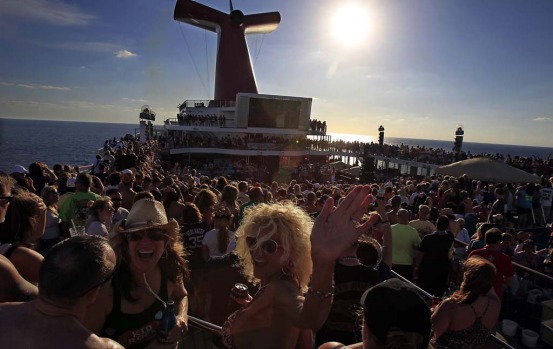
(293, 228)
(292, 259)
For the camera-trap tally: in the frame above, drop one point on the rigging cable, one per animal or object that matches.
(207, 64)
(259, 50)
(192, 57)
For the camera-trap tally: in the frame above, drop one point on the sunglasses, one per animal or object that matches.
(269, 246)
(4, 199)
(154, 235)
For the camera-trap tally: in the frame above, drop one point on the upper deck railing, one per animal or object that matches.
(206, 103)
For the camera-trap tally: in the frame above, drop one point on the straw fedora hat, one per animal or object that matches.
(147, 214)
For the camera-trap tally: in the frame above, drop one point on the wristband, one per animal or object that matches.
(319, 294)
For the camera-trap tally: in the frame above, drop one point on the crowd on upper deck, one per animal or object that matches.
(314, 253)
(211, 120)
(423, 154)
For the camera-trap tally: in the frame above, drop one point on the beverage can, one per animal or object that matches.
(168, 321)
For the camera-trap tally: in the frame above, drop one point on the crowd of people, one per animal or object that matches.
(101, 258)
(211, 120)
(423, 154)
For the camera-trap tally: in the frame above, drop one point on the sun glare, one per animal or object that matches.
(351, 25)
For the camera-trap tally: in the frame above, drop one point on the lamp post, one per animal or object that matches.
(458, 144)
(381, 136)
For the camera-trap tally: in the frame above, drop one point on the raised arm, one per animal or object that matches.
(335, 230)
(98, 186)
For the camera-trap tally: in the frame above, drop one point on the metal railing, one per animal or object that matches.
(204, 325)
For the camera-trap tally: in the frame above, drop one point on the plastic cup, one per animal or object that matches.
(76, 231)
(509, 328)
(529, 338)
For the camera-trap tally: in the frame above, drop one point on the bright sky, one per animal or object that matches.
(420, 68)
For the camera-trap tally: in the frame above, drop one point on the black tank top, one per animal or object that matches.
(134, 330)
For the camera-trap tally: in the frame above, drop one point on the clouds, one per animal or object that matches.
(36, 86)
(53, 12)
(21, 107)
(543, 119)
(126, 99)
(124, 54)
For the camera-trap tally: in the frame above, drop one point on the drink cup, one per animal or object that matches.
(76, 231)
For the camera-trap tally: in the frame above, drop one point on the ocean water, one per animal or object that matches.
(25, 141)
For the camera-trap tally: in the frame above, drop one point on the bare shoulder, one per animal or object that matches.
(27, 255)
(445, 307)
(109, 343)
(92, 341)
(337, 345)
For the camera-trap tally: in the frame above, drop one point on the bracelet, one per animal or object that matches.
(319, 294)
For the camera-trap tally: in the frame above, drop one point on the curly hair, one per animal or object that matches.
(293, 228)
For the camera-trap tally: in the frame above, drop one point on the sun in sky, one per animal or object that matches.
(351, 24)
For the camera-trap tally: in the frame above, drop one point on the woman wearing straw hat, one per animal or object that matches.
(151, 269)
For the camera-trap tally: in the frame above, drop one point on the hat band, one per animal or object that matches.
(144, 224)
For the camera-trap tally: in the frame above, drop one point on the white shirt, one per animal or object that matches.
(210, 240)
(97, 228)
(546, 195)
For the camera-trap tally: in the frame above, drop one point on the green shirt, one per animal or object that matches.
(75, 207)
(405, 239)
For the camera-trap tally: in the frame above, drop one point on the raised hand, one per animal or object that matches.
(337, 229)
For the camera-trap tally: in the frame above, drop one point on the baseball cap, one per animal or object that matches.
(19, 169)
(395, 304)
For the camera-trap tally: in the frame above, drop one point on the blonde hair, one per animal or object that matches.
(291, 225)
